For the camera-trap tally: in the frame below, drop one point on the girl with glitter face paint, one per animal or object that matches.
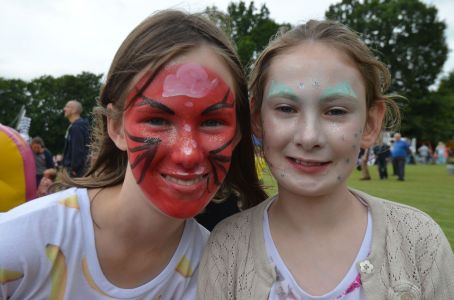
(172, 133)
(317, 98)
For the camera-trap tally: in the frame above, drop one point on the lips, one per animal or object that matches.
(185, 181)
(309, 166)
(308, 163)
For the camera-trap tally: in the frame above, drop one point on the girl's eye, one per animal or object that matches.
(285, 109)
(212, 123)
(158, 122)
(336, 112)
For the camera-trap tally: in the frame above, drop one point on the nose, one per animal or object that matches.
(187, 152)
(307, 133)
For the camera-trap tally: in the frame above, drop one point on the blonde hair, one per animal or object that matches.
(375, 74)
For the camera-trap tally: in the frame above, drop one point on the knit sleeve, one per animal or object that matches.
(437, 267)
(419, 253)
(213, 269)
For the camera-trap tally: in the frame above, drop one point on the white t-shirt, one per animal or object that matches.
(47, 249)
(286, 288)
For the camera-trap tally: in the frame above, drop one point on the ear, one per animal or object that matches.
(256, 120)
(115, 129)
(375, 116)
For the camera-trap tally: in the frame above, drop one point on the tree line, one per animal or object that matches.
(44, 99)
(407, 35)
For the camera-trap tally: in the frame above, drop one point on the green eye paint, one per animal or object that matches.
(281, 89)
(341, 89)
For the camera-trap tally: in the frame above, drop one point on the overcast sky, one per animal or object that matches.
(58, 37)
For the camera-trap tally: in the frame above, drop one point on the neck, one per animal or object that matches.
(73, 118)
(316, 213)
(127, 224)
(128, 217)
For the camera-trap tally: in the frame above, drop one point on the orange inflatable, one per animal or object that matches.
(17, 169)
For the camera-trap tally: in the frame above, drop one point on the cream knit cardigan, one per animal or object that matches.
(410, 257)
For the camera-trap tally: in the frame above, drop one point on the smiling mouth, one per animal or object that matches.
(308, 163)
(185, 181)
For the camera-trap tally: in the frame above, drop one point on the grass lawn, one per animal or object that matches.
(427, 187)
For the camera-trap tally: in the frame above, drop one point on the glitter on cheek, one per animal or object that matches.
(189, 104)
(169, 139)
(336, 129)
(187, 127)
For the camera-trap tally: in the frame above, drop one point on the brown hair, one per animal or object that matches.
(375, 74)
(37, 140)
(151, 45)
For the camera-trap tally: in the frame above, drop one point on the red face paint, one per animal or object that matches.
(180, 134)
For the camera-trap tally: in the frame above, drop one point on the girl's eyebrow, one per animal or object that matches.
(342, 89)
(219, 105)
(155, 104)
(278, 89)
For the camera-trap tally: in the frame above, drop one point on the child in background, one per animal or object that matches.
(317, 98)
(173, 129)
(49, 177)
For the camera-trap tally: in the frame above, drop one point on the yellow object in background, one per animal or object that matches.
(17, 169)
(260, 165)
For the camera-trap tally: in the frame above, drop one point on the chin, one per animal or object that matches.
(183, 209)
(306, 190)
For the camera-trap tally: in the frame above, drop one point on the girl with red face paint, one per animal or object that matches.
(317, 98)
(172, 133)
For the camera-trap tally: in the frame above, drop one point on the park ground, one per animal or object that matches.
(427, 187)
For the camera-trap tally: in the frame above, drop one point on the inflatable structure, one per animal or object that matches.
(17, 169)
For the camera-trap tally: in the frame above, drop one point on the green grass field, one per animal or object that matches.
(427, 187)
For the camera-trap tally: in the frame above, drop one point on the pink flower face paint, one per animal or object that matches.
(180, 133)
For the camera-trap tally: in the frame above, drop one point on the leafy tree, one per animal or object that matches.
(444, 117)
(447, 84)
(248, 28)
(432, 118)
(409, 38)
(13, 94)
(48, 96)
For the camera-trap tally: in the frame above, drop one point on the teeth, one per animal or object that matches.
(306, 163)
(183, 181)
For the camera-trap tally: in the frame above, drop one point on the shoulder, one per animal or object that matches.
(409, 219)
(40, 206)
(238, 237)
(406, 230)
(238, 226)
(198, 234)
(36, 222)
(400, 217)
(414, 232)
(412, 243)
(80, 123)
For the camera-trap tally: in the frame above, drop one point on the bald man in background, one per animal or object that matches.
(77, 138)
